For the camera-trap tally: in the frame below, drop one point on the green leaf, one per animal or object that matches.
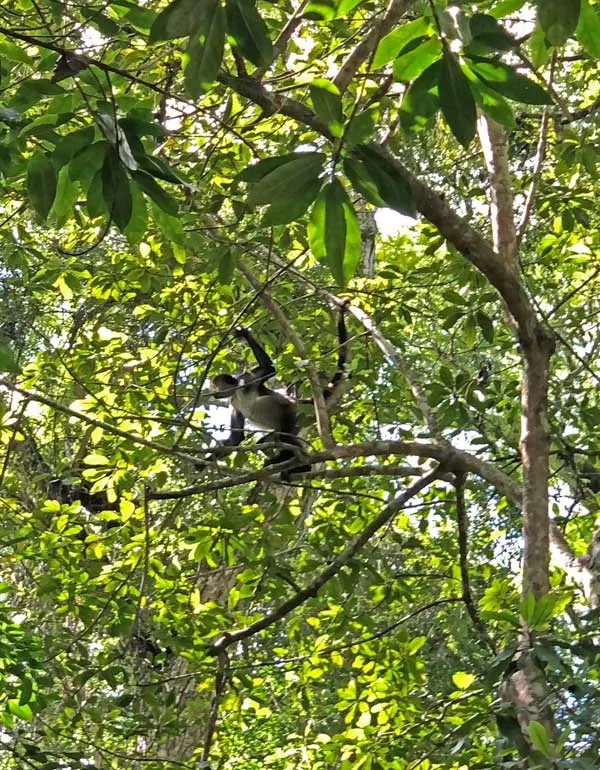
(361, 181)
(509, 83)
(421, 102)
(506, 7)
(85, 163)
(486, 30)
(67, 192)
(26, 691)
(539, 48)
(115, 188)
(179, 19)
(391, 186)
(257, 171)
(334, 232)
(412, 64)
(492, 103)
(558, 19)
(326, 10)
(95, 203)
(285, 184)
(588, 29)
(8, 361)
(361, 127)
(153, 190)
(390, 46)
(23, 712)
(205, 49)
(71, 144)
(462, 680)
(41, 183)
(327, 102)
(249, 32)
(138, 223)
(485, 324)
(540, 738)
(470, 330)
(456, 99)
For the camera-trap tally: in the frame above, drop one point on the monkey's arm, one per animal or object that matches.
(266, 367)
(236, 429)
(342, 352)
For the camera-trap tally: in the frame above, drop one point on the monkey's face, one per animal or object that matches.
(224, 385)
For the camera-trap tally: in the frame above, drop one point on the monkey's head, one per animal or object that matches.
(224, 385)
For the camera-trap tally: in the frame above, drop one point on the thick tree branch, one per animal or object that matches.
(394, 12)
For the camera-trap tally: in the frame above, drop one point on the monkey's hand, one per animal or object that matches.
(241, 332)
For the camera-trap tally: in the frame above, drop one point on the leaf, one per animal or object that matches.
(334, 232)
(249, 32)
(71, 144)
(41, 183)
(456, 99)
(257, 171)
(326, 10)
(558, 19)
(486, 30)
(485, 324)
(205, 49)
(85, 163)
(421, 102)
(588, 29)
(502, 78)
(327, 102)
(391, 186)
(493, 104)
(391, 44)
(153, 190)
(361, 181)
(412, 64)
(116, 138)
(115, 188)
(286, 186)
(539, 48)
(540, 738)
(138, 223)
(26, 691)
(8, 361)
(95, 203)
(179, 19)
(361, 127)
(505, 7)
(23, 712)
(462, 680)
(67, 192)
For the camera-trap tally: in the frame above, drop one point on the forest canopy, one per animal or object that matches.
(186, 184)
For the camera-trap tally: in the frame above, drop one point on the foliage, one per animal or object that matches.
(158, 159)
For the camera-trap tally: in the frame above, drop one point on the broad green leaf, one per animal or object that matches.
(287, 180)
(493, 104)
(115, 187)
(361, 181)
(84, 164)
(540, 738)
(505, 7)
(486, 30)
(539, 48)
(509, 83)
(462, 680)
(456, 99)
(26, 690)
(410, 65)
(470, 331)
(391, 186)
(485, 324)
(326, 10)
(153, 190)
(558, 19)
(8, 361)
(138, 223)
(117, 138)
(390, 46)
(71, 144)
(205, 49)
(67, 192)
(588, 29)
(95, 203)
(179, 19)
(334, 232)
(23, 712)
(286, 210)
(421, 102)
(249, 32)
(361, 127)
(327, 102)
(257, 171)
(41, 183)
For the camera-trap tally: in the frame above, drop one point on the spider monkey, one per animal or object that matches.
(250, 399)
